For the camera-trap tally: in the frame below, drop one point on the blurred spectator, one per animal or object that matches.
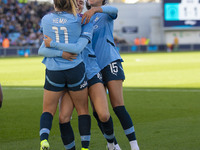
(6, 43)
(21, 21)
(147, 41)
(143, 41)
(1, 39)
(137, 41)
(176, 43)
(169, 47)
(118, 40)
(21, 41)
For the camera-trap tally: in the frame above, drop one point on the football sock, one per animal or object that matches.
(45, 125)
(108, 130)
(67, 136)
(84, 125)
(126, 122)
(98, 121)
(100, 126)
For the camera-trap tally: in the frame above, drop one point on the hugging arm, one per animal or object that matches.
(48, 52)
(71, 48)
(85, 38)
(110, 10)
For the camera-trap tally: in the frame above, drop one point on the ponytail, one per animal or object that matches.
(74, 7)
(66, 5)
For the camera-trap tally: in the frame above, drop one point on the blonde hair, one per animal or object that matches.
(66, 5)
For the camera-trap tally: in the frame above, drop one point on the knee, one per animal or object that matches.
(103, 117)
(64, 118)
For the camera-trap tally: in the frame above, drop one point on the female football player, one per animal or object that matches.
(64, 26)
(96, 88)
(109, 61)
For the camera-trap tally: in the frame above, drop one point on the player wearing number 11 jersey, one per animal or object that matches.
(64, 26)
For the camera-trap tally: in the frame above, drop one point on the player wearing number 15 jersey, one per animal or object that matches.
(109, 61)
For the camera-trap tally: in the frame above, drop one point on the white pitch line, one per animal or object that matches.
(125, 89)
(161, 90)
(22, 88)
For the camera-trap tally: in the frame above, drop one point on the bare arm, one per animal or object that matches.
(47, 52)
(88, 14)
(110, 10)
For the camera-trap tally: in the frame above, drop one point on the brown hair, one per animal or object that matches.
(66, 5)
(88, 5)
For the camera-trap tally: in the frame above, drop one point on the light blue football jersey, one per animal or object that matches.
(103, 41)
(90, 60)
(88, 55)
(61, 27)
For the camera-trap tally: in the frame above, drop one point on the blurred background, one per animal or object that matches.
(141, 26)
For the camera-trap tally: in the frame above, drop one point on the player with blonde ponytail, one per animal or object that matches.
(74, 7)
(63, 74)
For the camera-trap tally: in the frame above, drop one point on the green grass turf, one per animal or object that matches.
(161, 94)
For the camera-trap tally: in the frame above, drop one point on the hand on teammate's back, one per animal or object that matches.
(87, 16)
(47, 41)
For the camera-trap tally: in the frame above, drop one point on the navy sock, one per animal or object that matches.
(45, 125)
(108, 130)
(126, 122)
(67, 136)
(84, 125)
(98, 121)
(100, 125)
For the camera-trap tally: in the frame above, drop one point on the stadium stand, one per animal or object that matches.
(20, 22)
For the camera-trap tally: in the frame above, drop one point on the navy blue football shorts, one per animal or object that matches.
(95, 79)
(73, 79)
(113, 71)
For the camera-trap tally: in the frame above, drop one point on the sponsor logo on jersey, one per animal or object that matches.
(99, 76)
(83, 85)
(96, 19)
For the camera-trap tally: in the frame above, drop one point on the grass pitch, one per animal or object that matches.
(161, 94)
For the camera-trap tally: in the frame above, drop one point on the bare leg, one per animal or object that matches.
(80, 100)
(115, 93)
(99, 99)
(65, 112)
(117, 101)
(50, 102)
(66, 107)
